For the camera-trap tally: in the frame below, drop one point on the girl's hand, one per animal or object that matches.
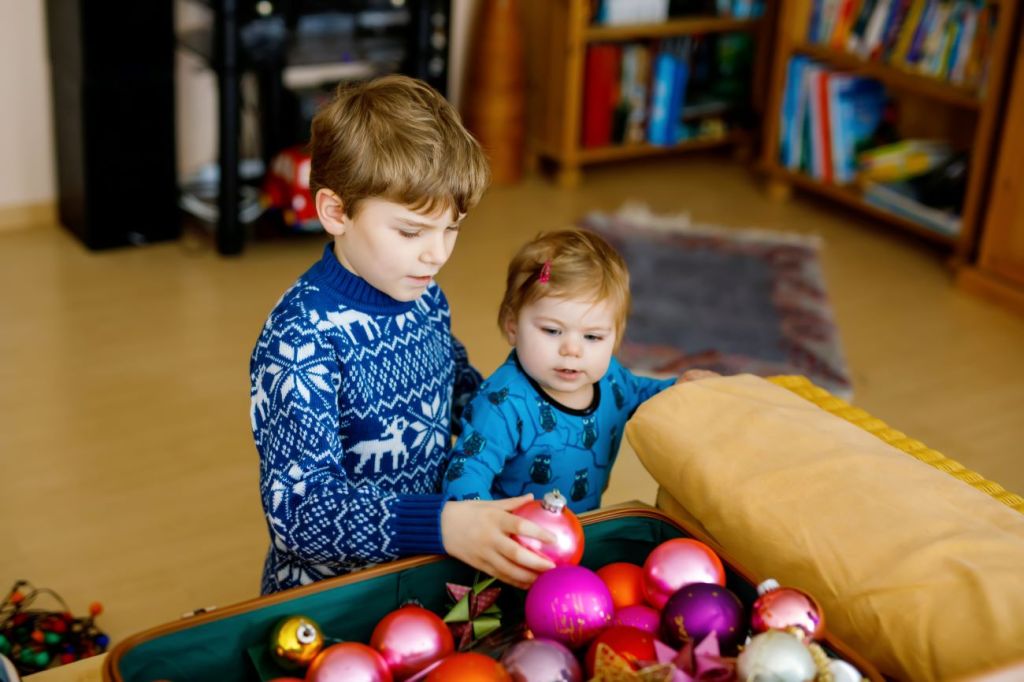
(696, 374)
(478, 532)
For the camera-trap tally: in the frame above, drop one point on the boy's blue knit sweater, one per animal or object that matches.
(351, 408)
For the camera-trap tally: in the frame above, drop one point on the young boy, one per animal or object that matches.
(553, 415)
(355, 373)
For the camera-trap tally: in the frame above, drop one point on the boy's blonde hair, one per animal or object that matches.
(398, 139)
(567, 264)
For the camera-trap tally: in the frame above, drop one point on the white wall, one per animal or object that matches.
(27, 174)
(26, 128)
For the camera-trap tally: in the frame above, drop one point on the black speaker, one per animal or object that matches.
(112, 66)
(428, 37)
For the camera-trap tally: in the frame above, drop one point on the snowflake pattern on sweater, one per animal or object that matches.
(351, 407)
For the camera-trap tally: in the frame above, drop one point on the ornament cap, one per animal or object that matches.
(767, 586)
(554, 501)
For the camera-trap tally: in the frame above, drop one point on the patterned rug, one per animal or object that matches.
(731, 300)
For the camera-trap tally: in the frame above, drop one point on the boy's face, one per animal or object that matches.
(565, 345)
(395, 249)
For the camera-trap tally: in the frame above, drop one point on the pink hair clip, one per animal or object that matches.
(545, 272)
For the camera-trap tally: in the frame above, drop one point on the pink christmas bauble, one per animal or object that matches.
(348, 662)
(639, 616)
(541, 659)
(552, 514)
(569, 604)
(678, 562)
(780, 608)
(410, 639)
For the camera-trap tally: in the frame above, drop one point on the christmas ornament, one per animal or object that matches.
(295, 641)
(552, 514)
(569, 604)
(775, 655)
(625, 582)
(779, 608)
(468, 667)
(475, 614)
(287, 679)
(348, 662)
(702, 661)
(679, 562)
(535, 660)
(843, 671)
(411, 638)
(635, 646)
(638, 616)
(610, 667)
(698, 609)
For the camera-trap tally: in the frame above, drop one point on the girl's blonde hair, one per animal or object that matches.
(398, 139)
(567, 264)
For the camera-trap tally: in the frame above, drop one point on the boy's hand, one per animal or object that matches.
(478, 532)
(695, 374)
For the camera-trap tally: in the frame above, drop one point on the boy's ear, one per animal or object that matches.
(331, 211)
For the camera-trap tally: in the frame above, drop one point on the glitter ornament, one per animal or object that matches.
(568, 604)
(697, 610)
(638, 616)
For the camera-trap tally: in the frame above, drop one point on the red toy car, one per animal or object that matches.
(286, 188)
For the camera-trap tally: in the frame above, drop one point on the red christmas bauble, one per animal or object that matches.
(469, 667)
(678, 562)
(634, 645)
(625, 581)
(348, 662)
(410, 639)
(551, 513)
(780, 608)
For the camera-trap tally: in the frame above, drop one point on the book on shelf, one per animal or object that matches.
(826, 117)
(901, 199)
(600, 94)
(944, 39)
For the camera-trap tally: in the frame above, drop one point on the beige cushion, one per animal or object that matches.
(918, 572)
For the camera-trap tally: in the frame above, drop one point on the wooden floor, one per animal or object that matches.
(129, 473)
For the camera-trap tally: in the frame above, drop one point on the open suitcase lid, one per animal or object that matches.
(229, 644)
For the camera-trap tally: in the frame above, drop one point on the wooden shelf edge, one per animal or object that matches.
(980, 283)
(894, 77)
(636, 151)
(852, 197)
(674, 27)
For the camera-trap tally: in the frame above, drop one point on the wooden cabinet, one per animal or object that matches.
(929, 108)
(558, 33)
(998, 272)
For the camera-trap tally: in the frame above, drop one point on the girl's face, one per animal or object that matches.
(565, 345)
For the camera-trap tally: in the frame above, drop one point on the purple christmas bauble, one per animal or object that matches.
(569, 604)
(697, 610)
(638, 616)
(541, 659)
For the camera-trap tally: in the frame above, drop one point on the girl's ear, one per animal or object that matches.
(510, 330)
(331, 211)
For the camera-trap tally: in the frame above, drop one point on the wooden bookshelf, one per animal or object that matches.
(967, 117)
(668, 29)
(558, 33)
(893, 77)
